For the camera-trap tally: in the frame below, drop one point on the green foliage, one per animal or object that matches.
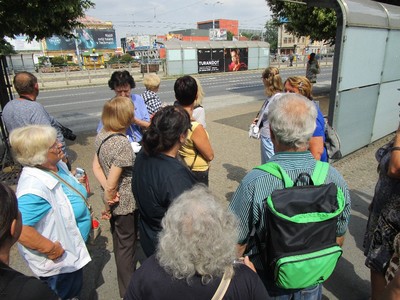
(41, 18)
(318, 23)
(229, 36)
(126, 58)
(6, 49)
(58, 61)
(271, 35)
(123, 59)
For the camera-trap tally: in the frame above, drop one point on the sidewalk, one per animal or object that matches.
(235, 155)
(75, 79)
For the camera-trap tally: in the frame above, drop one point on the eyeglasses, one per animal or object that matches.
(55, 146)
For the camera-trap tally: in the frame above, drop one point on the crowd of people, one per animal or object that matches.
(152, 162)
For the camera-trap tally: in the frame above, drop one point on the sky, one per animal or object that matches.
(132, 17)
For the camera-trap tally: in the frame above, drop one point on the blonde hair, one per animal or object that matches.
(302, 84)
(30, 144)
(151, 81)
(272, 81)
(117, 114)
(200, 93)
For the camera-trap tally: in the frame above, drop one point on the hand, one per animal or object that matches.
(56, 252)
(114, 200)
(82, 180)
(106, 215)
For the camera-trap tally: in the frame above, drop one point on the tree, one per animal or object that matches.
(41, 18)
(271, 35)
(230, 36)
(318, 23)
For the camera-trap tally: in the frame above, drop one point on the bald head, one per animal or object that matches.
(25, 83)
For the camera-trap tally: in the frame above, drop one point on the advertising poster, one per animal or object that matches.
(236, 59)
(87, 39)
(20, 43)
(218, 34)
(140, 42)
(210, 60)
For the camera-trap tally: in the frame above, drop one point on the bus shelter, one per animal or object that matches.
(215, 56)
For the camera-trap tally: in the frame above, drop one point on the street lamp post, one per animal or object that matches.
(213, 15)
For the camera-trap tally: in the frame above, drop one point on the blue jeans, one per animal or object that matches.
(267, 149)
(311, 293)
(276, 293)
(66, 285)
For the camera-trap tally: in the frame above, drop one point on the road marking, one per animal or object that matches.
(69, 95)
(79, 102)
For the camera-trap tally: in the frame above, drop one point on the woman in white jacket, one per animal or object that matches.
(56, 220)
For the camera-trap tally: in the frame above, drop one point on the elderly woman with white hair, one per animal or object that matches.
(196, 256)
(55, 217)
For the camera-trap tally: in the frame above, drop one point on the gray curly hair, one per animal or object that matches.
(198, 238)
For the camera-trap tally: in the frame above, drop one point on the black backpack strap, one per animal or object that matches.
(107, 138)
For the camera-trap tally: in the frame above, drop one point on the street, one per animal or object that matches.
(80, 108)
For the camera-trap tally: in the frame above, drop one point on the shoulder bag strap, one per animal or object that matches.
(262, 113)
(107, 138)
(222, 288)
(277, 171)
(194, 160)
(59, 178)
(320, 172)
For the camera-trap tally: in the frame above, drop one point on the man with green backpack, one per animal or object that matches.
(293, 211)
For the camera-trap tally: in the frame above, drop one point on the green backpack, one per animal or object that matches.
(301, 249)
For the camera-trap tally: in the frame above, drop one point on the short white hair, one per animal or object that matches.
(292, 118)
(30, 144)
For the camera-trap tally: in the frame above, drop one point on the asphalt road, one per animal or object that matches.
(80, 108)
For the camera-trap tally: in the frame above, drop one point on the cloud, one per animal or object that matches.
(159, 17)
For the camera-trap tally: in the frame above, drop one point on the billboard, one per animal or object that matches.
(140, 42)
(218, 34)
(210, 60)
(236, 59)
(20, 43)
(87, 39)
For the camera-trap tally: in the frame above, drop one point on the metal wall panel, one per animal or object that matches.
(355, 117)
(362, 57)
(263, 60)
(387, 110)
(391, 69)
(253, 59)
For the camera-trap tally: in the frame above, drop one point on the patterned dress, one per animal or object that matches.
(384, 219)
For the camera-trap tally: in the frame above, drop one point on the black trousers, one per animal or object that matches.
(124, 234)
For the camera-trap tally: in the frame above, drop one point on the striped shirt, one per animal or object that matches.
(258, 185)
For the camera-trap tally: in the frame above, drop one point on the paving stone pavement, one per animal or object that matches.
(235, 155)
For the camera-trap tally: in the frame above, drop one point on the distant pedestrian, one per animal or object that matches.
(291, 58)
(151, 99)
(312, 68)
